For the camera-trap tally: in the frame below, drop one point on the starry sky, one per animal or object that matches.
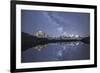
(55, 23)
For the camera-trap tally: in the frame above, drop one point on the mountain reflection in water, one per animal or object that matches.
(57, 52)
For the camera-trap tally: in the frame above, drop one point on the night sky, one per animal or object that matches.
(55, 23)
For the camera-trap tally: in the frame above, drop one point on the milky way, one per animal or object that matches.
(55, 23)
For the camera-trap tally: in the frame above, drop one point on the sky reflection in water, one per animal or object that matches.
(57, 52)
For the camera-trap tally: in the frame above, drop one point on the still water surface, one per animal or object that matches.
(57, 52)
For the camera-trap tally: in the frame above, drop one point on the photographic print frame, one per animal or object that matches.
(17, 6)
